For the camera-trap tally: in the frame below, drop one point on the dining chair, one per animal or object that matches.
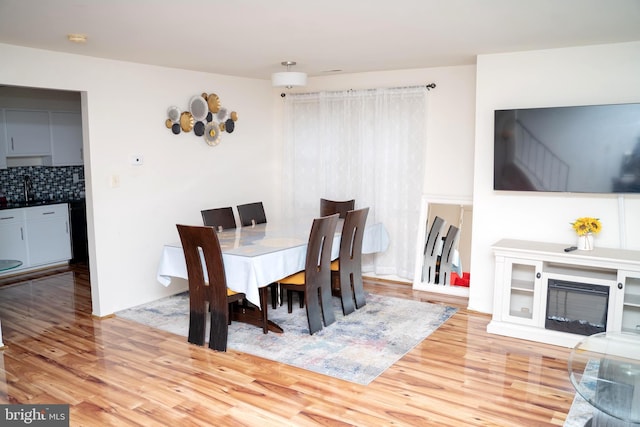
(432, 250)
(447, 256)
(212, 291)
(315, 280)
(251, 213)
(347, 269)
(219, 218)
(329, 207)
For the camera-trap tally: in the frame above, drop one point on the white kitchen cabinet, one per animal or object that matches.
(38, 236)
(66, 138)
(3, 143)
(28, 133)
(48, 234)
(525, 271)
(13, 243)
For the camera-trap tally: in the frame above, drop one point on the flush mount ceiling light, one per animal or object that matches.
(77, 38)
(288, 78)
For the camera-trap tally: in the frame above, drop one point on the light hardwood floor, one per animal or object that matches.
(116, 372)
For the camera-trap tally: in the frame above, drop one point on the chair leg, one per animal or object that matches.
(326, 304)
(289, 301)
(335, 283)
(218, 330)
(358, 290)
(197, 326)
(274, 295)
(314, 311)
(346, 293)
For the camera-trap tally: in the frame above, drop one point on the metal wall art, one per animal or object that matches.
(205, 117)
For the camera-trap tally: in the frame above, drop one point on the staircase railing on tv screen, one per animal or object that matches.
(545, 170)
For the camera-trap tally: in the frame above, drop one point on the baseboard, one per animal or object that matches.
(530, 333)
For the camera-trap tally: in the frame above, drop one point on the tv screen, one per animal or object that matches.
(581, 149)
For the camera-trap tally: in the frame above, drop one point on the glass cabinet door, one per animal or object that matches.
(630, 283)
(523, 280)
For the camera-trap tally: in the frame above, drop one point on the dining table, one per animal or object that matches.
(258, 255)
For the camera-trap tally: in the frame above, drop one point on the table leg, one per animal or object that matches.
(254, 316)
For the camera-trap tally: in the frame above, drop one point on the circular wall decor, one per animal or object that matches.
(205, 116)
(212, 134)
(173, 113)
(186, 121)
(198, 128)
(214, 103)
(199, 108)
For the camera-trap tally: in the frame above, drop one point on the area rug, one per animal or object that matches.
(355, 348)
(581, 411)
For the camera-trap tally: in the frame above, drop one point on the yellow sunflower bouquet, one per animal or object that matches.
(586, 225)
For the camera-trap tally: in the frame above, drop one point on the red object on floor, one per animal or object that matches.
(460, 281)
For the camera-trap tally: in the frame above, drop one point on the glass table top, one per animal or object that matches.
(8, 264)
(605, 370)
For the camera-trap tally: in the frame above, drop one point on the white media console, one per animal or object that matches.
(524, 269)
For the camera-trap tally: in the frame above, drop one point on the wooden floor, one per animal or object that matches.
(117, 372)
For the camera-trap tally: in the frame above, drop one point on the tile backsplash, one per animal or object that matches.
(49, 182)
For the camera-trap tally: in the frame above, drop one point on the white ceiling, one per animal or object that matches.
(251, 37)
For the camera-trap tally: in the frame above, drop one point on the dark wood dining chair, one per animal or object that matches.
(432, 250)
(447, 256)
(250, 213)
(347, 269)
(211, 294)
(253, 213)
(219, 218)
(315, 279)
(329, 207)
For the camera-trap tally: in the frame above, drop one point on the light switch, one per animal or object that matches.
(114, 182)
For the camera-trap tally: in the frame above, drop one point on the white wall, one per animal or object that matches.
(575, 76)
(125, 110)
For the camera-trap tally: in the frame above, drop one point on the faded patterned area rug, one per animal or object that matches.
(581, 411)
(355, 348)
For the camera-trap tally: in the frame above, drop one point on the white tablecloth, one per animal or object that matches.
(260, 255)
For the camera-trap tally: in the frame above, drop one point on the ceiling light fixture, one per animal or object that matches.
(288, 78)
(77, 38)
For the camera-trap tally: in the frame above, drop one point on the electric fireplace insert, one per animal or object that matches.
(577, 308)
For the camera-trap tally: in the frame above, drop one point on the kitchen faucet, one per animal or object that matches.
(28, 188)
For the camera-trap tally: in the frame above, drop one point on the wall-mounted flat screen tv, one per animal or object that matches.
(581, 149)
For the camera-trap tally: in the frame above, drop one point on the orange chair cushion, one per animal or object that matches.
(230, 292)
(335, 265)
(294, 279)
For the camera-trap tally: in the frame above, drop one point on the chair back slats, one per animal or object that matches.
(201, 243)
(219, 218)
(432, 250)
(250, 213)
(330, 207)
(446, 260)
(318, 273)
(350, 271)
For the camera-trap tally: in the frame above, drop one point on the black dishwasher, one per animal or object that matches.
(79, 246)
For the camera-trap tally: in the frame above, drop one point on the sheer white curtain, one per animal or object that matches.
(366, 145)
